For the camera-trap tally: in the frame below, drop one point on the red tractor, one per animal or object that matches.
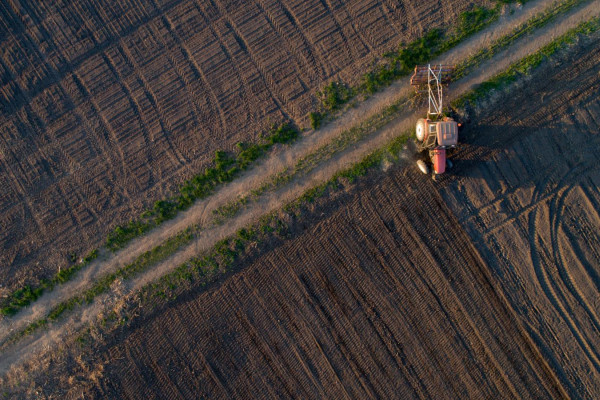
(437, 133)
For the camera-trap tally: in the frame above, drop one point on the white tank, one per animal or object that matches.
(447, 133)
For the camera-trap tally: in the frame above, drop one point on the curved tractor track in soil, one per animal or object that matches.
(202, 211)
(557, 213)
(563, 279)
(530, 204)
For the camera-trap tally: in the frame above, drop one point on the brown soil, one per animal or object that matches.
(385, 298)
(528, 196)
(286, 157)
(482, 285)
(105, 108)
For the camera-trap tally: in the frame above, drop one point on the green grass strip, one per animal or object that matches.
(355, 134)
(526, 65)
(532, 24)
(23, 297)
(103, 284)
(312, 160)
(226, 252)
(226, 168)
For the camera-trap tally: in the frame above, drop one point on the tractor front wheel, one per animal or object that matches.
(423, 167)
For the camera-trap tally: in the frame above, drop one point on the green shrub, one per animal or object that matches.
(419, 51)
(334, 95)
(474, 20)
(247, 154)
(316, 118)
(284, 133)
(223, 160)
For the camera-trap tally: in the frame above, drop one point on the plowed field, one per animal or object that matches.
(103, 107)
(483, 285)
(532, 206)
(381, 299)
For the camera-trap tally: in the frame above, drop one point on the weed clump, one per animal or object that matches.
(335, 95)
(315, 119)
(28, 294)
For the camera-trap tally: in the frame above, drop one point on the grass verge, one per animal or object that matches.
(103, 284)
(226, 167)
(312, 160)
(336, 91)
(526, 65)
(23, 297)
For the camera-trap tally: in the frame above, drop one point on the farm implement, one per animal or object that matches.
(437, 134)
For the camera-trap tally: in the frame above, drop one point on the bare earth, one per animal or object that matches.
(201, 212)
(487, 289)
(482, 285)
(104, 108)
(384, 298)
(531, 205)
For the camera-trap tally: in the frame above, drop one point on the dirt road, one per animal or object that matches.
(105, 108)
(284, 157)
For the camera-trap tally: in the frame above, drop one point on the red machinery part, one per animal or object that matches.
(438, 156)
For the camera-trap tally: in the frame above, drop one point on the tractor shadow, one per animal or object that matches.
(480, 144)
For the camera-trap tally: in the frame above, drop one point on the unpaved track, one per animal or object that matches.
(202, 211)
(128, 97)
